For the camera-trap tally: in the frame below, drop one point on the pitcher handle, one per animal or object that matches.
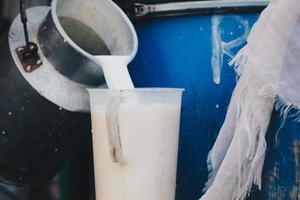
(113, 130)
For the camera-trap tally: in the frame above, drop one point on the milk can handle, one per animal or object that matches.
(113, 130)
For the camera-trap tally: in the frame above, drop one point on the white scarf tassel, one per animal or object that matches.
(264, 72)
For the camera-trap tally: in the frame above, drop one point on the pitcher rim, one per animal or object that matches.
(149, 89)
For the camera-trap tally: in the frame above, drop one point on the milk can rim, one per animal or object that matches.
(62, 32)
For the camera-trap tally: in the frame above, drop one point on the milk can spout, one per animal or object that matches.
(66, 59)
(75, 31)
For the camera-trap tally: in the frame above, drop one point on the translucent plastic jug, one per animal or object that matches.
(135, 141)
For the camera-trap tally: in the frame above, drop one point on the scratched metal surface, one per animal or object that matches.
(192, 52)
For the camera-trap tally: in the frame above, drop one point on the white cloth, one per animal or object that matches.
(268, 68)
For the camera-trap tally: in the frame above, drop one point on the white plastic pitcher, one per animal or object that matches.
(135, 141)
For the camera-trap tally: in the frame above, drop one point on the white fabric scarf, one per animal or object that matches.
(268, 68)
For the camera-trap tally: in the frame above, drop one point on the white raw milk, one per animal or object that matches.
(115, 71)
(149, 135)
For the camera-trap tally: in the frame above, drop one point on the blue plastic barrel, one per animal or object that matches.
(191, 51)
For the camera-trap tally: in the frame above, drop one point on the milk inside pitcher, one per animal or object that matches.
(135, 141)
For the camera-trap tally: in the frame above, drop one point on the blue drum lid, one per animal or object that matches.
(144, 8)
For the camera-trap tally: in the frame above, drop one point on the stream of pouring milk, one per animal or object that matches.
(115, 71)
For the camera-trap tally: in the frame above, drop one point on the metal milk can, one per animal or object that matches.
(44, 74)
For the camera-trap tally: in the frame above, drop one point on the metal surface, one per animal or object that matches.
(192, 52)
(138, 10)
(62, 91)
(66, 59)
(36, 136)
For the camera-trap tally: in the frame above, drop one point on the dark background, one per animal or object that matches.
(75, 179)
